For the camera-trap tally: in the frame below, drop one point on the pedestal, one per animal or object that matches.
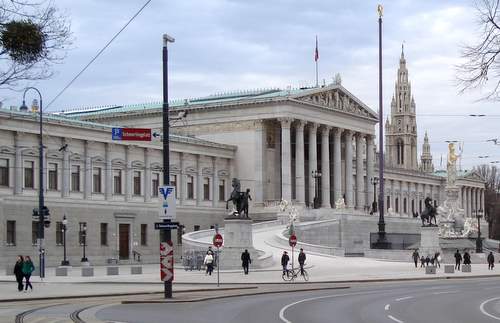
(429, 241)
(237, 238)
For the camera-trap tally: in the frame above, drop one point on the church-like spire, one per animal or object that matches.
(426, 158)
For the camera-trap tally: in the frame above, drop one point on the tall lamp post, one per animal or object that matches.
(479, 241)
(65, 262)
(41, 213)
(374, 181)
(83, 230)
(316, 175)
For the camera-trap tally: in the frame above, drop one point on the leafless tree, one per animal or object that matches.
(482, 66)
(33, 37)
(491, 176)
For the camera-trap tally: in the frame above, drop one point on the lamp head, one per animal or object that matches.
(23, 107)
(167, 39)
(64, 221)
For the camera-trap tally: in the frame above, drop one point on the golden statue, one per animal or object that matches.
(380, 10)
(452, 165)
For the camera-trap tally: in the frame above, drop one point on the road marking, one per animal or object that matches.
(403, 298)
(387, 307)
(284, 308)
(445, 292)
(394, 319)
(481, 307)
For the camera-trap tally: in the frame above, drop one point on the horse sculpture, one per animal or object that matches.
(240, 199)
(429, 213)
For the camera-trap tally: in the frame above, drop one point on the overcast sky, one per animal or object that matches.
(227, 45)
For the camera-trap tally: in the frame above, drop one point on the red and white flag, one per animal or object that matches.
(316, 51)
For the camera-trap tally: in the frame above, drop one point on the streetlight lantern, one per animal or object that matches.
(316, 175)
(479, 241)
(84, 241)
(65, 262)
(374, 181)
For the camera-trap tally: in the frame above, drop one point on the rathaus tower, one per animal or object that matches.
(401, 130)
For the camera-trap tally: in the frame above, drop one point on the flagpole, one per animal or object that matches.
(316, 58)
(316, 73)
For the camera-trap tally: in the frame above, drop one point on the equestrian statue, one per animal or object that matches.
(429, 213)
(240, 199)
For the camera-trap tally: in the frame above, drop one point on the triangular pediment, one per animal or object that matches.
(335, 97)
(474, 176)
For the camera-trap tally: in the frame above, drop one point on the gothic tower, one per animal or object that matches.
(426, 165)
(401, 131)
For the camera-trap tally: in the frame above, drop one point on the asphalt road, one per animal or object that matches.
(457, 301)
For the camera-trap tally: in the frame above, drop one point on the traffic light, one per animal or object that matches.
(46, 216)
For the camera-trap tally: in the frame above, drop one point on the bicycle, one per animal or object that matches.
(293, 273)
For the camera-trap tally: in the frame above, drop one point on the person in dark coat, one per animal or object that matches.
(302, 260)
(28, 269)
(284, 263)
(18, 272)
(245, 261)
(466, 258)
(491, 261)
(416, 257)
(458, 259)
(422, 261)
(437, 258)
(427, 260)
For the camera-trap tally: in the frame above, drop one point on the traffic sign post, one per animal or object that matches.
(292, 241)
(166, 196)
(218, 241)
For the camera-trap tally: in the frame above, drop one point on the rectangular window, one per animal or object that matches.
(75, 178)
(190, 187)
(34, 232)
(155, 184)
(104, 234)
(82, 233)
(196, 227)
(222, 189)
(144, 234)
(97, 178)
(206, 188)
(137, 183)
(28, 174)
(4, 172)
(117, 181)
(173, 182)
(11, 233)
(53, 176)
(59, 233)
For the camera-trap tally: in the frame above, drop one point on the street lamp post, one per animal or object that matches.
(65, 262)
(316, 175)
(41, 214)
(374, 181)
(84, 241)
(479, 241)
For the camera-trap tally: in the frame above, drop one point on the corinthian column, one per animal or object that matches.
(360, 181)
(300, 194)
(313, 161)
(325, 167)
(370, 160)
(337, 164)
(259, 158)
(286, 159)
(348, 169)
(87, 190)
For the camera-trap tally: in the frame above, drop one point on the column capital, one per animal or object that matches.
(300, 124)
(258, 123)
(286, 122)
(338, 132)
(313, 127)
(348, 133)
(325, 130)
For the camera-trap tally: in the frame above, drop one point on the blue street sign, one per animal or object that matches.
(117, 134)
(166, 225)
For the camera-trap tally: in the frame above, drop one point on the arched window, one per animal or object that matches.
(400, 151)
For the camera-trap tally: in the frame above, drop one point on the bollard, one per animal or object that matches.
(112, 271)
(87, 271)
(136, 270)
(449, 269)
(466, 268)
(430, 270)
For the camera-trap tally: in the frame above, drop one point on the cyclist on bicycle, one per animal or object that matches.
(284, 263)
(302, 260)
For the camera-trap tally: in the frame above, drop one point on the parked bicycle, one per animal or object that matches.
(293, 273)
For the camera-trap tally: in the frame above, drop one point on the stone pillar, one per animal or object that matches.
(215, 182)
(312, 160)
(18, 173)
(468, 210)
(87, 189)
(474, 208)
(66, 171)
(325, 167)
(128, 174)
(300, 190)
(182, 179)
(370, 159)
(286, 159)
(259, 158)
(147, 176)
(337, 164)
(401, 199)
(360, 176)
(348, 169)
(482, 202)
(199, 181)
(108, 187)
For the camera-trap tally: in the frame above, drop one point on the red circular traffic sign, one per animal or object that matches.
(292, 240)
(218, 240)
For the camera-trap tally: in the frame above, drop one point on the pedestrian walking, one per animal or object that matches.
(245, 261)
(28, 269)
(491, 261)
(422, 261)
(18, 272)
(302, 260)
(284, 263)
(427, 260)
(437, 259)
(458, 259)
(416, 257)
(209, 262)
(466, 258)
